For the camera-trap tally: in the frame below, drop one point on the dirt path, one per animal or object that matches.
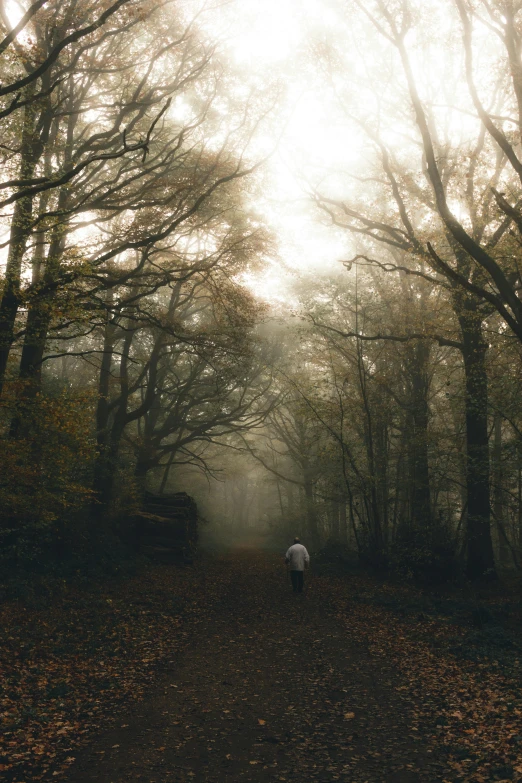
(271, 687)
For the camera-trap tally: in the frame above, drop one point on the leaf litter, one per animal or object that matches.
(387, 694)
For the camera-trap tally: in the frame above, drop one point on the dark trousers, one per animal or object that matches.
(297, 581)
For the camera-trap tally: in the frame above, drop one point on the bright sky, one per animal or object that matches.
(270, 41)
(288, 41)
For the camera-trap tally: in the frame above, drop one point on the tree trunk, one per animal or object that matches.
(40, 311)
(311, 515)
(101, 481)
(142, 467)
(290, 496)
(146, 460)
(280, 498)
(371, 499)
(343, 522)
(519, 494)
(480, 558)
(381, 471)
(166, 472)
(420, 501)
(20, 231)
(334, 531)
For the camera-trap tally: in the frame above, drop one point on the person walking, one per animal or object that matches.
(298, 559)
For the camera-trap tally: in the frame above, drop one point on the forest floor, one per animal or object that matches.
(218, 673)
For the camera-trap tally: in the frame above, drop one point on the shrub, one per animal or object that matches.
(425, 556)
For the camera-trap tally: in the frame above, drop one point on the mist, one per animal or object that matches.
(260, 390)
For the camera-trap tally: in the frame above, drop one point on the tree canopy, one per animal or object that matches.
(296, 278)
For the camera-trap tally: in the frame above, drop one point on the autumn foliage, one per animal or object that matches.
(45, 476)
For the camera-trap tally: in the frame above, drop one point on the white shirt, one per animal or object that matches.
(297, 556)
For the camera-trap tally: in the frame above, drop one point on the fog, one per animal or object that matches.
(260, 278)
(267, 255)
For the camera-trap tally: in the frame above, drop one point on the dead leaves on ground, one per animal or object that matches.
(472, 707)
(66, 668)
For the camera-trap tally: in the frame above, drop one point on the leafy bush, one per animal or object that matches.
(427, 556)
(43, 475)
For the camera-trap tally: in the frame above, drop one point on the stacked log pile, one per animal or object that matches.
(167, 527)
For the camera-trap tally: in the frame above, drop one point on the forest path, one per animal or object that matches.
(273, 686)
